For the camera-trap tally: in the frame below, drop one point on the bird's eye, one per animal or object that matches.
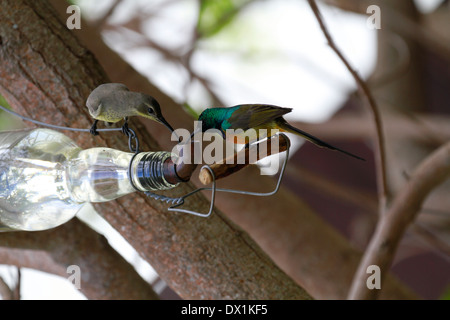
(151, 111)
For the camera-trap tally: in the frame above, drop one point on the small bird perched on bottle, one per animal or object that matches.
(112, 102)
(255, 116)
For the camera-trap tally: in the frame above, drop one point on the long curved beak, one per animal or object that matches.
(168, 126)
(164, 122)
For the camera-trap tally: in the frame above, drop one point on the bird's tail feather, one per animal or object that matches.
(288, 128)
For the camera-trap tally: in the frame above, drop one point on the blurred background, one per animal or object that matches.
(229, 52)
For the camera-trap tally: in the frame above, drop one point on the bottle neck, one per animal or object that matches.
(147, 171)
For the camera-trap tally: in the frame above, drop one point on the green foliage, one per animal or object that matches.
(3, 102)
(446, 294)
(214, 15)
(7, 121)
(3, 119)
(191, 110)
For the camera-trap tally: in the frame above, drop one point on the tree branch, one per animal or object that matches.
(102, 20)
(424, 32)
(104, 273)
(5, 290)
(434, 170)
(380, 157)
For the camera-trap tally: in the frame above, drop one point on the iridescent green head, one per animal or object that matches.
(214, 118)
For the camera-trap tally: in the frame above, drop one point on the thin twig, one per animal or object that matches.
(100, 22)
(380, 157)
(182, 59)
(5, 290)
(397, 20)
(437, 244)
(431, 172)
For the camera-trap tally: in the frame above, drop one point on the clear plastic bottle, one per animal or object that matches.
(45, 178)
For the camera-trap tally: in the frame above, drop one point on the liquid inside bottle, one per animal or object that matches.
(33, 183)
(45, 178)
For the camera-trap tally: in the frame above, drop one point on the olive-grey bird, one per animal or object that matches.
(112, 102)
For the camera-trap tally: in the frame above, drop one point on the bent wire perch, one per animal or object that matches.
(180, 201)
(175, 201)
(265, 194)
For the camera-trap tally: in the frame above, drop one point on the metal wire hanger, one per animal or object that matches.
(180, 201)
(131, 134)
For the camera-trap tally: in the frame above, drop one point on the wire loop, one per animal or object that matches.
(176, 202)
(132, 135)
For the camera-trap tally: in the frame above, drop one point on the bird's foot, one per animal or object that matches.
(93, 129)
(125, 130)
